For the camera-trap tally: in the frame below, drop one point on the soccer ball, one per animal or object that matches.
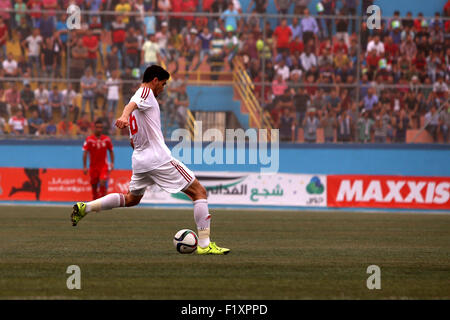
(185, 241)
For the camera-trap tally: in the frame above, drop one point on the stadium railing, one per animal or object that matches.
(190, 124)
(245, 87)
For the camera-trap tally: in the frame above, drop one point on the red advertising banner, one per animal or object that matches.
(54, 184)
(388, 192)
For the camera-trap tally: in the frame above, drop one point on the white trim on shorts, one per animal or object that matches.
(172, 177)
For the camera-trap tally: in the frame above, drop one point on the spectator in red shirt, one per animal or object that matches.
(98, 29)
(90, 42)
(419, 61)
(206, 5)
(310, 89)
(282, 37)
(188, 6)
(51, 6)
(201, 23)
(391, 49)
(132, 49)
(3, 36)
(35, 16)
(5, 5)
(175, 20)
(118, 36)
(339, 46)
(324, 45)
(296, 46)
(420, 24)
(372, 60)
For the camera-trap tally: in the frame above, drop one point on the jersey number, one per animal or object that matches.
(133, 125)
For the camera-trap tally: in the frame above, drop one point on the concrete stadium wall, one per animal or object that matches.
(374, 159)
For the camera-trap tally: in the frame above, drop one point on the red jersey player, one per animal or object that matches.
(98, 145)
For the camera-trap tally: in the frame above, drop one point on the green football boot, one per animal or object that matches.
(78, 212)
(212, 249)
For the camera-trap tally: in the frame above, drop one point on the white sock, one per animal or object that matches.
(110, 201)
(203, 220)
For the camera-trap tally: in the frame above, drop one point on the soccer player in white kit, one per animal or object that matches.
(153, 163)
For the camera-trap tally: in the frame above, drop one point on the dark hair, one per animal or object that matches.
(153, 72)
(98, 121)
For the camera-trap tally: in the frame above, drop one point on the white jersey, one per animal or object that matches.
(150, 150)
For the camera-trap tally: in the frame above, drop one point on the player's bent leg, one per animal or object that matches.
(202, 218)
(196, 191)
(132, 200)
(108, 202)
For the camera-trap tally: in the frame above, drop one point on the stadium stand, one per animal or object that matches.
(318, 77)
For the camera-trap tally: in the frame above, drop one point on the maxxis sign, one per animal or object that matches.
(388, 192)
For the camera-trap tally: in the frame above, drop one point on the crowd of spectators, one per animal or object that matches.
(310, 64)
(311, 73)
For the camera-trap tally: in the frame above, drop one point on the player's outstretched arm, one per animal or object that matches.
(122, 122)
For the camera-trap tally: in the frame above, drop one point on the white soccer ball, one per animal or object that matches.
(185, 241)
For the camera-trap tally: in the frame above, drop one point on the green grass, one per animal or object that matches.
(128, 254)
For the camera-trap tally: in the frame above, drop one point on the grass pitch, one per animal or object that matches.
(128, 254)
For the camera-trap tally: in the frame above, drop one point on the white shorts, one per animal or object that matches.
(172, 177)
